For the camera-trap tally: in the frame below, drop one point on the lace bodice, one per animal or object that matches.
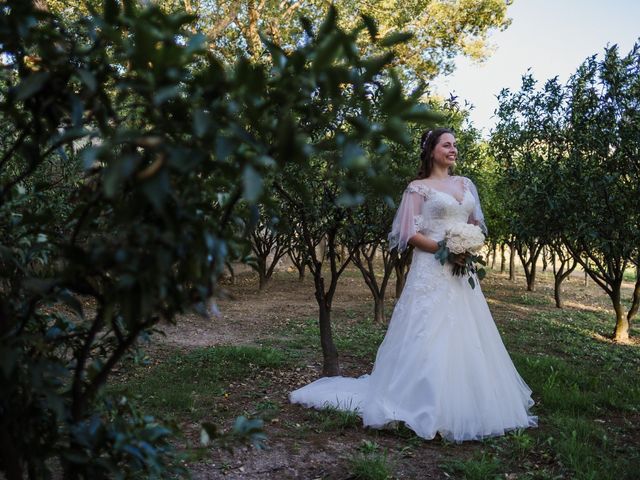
(430, 211)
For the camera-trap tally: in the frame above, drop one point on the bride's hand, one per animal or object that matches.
(460, 259)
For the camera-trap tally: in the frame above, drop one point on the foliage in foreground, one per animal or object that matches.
(149, 145)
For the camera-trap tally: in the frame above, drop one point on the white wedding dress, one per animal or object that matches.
(442, 367)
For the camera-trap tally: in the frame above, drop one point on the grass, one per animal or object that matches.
(529, 299)
(192, 383)
(370, 463)
(629, 275)
(360, 339)
(332, 419)
(483, 466)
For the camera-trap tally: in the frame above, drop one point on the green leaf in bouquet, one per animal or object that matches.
(472, 282)
(481, 273)
(442, 254)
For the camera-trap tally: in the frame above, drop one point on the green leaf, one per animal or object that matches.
(395, 38)
(371, 26)
(208, 432)
(165, 93)
(375, 65)
(330, 21)
(472, 282)
(422, 113)
(118, 172)
(111, 10)
(278, 55)
(89, 155)
(201, 122)
(31, 85)
(327, 52)
(77, 457)
(252, 184)
(88, 79)
(157, 188)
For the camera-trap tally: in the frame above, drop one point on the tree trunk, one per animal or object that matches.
(401, 276)
(635, 300)
(567, 266)
(330, 367)
(495, 252)
(401, 268)
(379, 309)
(531, 279)
(557, 295)
(544, 259)
(262, 273)
(297, 259)
(263, 279)
(621, 332)
(253, 37)
(503, 259)
(529, 264)
(364, 258)
(512, 263)
(399, 283)
(232, 272)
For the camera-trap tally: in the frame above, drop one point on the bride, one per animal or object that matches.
(442, 367)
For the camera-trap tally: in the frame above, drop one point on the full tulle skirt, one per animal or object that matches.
(442, 367)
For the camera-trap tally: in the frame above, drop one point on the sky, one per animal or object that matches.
(552, 37)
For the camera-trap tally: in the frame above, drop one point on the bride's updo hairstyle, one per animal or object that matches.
(428, 142)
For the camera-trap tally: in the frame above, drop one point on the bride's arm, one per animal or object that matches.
(429, 245)
(424, 243)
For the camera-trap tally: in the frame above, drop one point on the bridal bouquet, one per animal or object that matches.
(463, 238)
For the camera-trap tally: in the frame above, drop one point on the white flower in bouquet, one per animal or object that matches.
(464, 237)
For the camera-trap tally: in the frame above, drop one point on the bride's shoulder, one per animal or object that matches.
(420, 187)
(466, 181)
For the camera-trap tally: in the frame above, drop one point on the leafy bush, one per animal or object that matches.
(127, 149)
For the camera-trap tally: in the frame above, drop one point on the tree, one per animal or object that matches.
(537, 121)
(521, 153)
(602, 214)
(366, 236)
(569, 156)
(441, 29)
(269, 243)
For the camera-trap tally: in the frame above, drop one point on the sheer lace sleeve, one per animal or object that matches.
(408, 220)
(476, 217)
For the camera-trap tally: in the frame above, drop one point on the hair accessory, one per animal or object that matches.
(424, 142)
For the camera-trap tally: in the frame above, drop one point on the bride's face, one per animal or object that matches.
(445, 153)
